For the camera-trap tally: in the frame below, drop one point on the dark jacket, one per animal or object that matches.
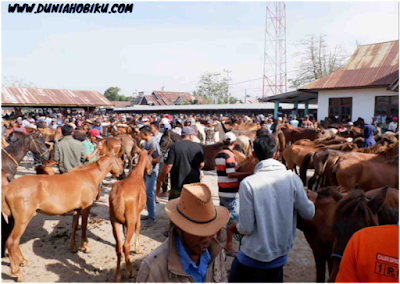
(369, 136)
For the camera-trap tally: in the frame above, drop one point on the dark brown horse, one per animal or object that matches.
(318, 231)
(356, 211)
(13, 154)
(210, 151)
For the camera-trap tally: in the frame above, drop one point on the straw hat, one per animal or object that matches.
(195, 213)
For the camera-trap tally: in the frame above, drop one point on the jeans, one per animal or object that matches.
(150, 183)
(232, 204)
(242, 273)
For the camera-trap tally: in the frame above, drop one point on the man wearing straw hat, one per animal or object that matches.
(191, 254)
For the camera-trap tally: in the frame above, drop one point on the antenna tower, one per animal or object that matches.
(275, 69)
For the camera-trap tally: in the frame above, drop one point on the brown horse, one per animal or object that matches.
(127, 200)
(318, 231)
(53, 195)
(13, 154)
(356, 211)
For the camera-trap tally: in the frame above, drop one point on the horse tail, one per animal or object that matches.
(250, 149)
(118, 204)
(304, 166)
(282, 140)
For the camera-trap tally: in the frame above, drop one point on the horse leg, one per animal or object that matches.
(84, 247)
(130, 224)
(118, 248)
(15, 254)
(75, 219)
(138, 250)
(320, 265)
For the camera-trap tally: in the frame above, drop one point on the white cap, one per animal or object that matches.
(145, 119)
(229, 136)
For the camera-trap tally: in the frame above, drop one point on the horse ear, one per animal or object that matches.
(335, 194)
(376, 203)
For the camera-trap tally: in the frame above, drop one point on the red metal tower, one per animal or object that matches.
(275, 69)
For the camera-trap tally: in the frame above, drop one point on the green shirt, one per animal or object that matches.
(89, 149)
(69, 153)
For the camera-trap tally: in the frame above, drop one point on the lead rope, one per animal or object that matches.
(11, 157)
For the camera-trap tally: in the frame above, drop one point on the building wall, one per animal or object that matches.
(363, 101)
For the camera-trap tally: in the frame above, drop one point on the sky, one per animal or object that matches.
(170, 44)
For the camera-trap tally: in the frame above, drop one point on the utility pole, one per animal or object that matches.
(227, 83)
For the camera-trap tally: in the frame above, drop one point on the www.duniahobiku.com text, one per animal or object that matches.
(70, 8)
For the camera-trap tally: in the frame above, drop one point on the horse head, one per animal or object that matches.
(38, 146)
(353, 213)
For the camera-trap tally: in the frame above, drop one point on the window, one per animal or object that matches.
(386, 106)
(340, 109)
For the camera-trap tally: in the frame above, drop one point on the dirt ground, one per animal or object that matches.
(45, 245)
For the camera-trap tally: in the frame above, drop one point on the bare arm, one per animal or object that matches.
(239, 175)
(90, 156)
(201, 165)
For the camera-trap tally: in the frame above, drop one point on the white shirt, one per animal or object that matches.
(294, 123)
(392, 126)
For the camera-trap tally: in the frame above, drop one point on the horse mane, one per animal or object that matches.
(353, 206)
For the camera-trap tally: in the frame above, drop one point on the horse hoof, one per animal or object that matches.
(24, 263)
(85, 249)
(131, 274)
(117, 278)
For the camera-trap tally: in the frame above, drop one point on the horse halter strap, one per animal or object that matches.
(37, 148)
(11, 157)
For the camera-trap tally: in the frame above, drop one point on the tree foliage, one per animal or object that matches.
(316, 59)
(113, 94)
(211, 87)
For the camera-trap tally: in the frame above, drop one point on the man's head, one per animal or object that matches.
(19, 121)
(41, 126)
(196, 218)
(67, 130)
(265, 147)
(155, 125)
(187, 133)
(230, 139)
(93, 134)
(145, 133)
(97, 122)
(394, 119)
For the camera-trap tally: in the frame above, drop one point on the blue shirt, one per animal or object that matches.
(99, 128)
(197, 272)
(251, 262)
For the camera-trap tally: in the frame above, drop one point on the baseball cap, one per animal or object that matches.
(167, 126)
(95, 132)
(145, 119)
(229, 137)
(394, 118)
(187, 130)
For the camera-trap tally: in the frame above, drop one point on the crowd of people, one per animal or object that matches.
(260, 207)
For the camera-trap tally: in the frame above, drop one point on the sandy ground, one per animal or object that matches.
(45, 245)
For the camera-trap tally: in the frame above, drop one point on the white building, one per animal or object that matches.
(367, 86)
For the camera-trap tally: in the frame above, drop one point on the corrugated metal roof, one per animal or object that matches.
(16, 96)
(121, 103)
(370, 65)
(213, 107)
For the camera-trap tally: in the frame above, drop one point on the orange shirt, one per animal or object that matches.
(372, 255)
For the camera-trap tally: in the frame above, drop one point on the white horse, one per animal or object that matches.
(200, 129)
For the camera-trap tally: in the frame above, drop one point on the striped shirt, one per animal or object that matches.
(225, 162)
(307, 124)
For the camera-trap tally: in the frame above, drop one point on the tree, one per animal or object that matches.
(17, 82)
(211, 87)
(316, 59)
(113, 94)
